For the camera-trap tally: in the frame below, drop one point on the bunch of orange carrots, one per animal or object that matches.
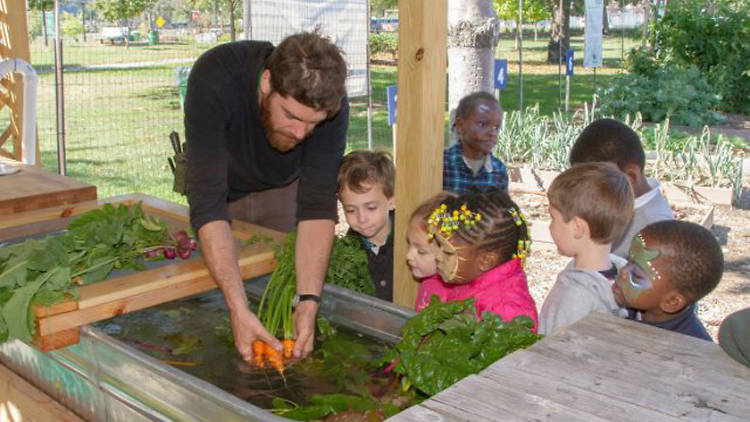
(263, 353)
(276, 312)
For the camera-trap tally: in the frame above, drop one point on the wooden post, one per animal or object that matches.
(422, 64)
(14, 43)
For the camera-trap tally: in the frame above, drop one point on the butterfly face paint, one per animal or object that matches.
(457, 261)
(447, 259)
(639, 274)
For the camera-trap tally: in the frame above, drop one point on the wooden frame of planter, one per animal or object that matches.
(528, 179)
(539, 229)
(57, 325)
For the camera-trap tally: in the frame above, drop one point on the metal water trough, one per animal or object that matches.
(102, 379)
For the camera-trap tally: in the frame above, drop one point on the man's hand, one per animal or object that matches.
(304, 324)
(217, 248)
(313, 247)
(247, 328)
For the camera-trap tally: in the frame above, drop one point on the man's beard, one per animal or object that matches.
(278, 140)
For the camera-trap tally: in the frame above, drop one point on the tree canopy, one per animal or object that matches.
(378, 7)
(533, 10)
(116, 10)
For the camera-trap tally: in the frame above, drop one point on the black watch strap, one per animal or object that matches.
(300, 298)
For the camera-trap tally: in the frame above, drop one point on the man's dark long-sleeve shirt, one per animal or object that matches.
(229, 155)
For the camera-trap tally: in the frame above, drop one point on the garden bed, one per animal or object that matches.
(526, 179)
(535, 206)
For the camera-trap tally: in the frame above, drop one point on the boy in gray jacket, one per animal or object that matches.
(590, 204)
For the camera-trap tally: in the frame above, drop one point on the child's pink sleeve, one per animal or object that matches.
(429, 286)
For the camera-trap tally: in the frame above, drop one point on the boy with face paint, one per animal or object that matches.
(470, 163)
(672, 264)
(590, 204)
(482, 240)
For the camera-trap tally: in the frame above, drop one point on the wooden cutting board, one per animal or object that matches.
(32, 188)
(57, 325)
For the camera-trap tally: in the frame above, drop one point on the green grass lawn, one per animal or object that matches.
(118, 121)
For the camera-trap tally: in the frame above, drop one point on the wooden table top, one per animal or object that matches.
(33, 188)
(601, 368)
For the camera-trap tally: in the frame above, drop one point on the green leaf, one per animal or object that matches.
(151, 224)
(279, 403)
(98, 270)
(16, 309)
(344, 402)
(306, 413)
(185, 343)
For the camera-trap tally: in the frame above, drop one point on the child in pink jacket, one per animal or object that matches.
(482, 240)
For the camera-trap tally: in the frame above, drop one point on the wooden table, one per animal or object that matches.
(600, 369)
(34, 188)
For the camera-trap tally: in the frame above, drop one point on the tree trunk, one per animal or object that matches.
(232, 34)
(44, 25)
(473, 31)
(560, 30)
(646, 18)
(246, 9)
(127, 34)
(605, 19)
(518, 34)
(83, 21)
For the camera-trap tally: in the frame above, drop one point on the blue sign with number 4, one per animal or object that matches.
(569, 62)
(391, 92)
(501, 73)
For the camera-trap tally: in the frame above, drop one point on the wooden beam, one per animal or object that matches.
(422, 60)
(15, 44)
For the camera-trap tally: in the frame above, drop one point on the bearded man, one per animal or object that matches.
(266, 130)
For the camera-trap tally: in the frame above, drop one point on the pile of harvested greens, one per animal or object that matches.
(45, 271)
(446, 342)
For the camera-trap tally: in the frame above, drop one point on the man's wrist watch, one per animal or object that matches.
(299, 298)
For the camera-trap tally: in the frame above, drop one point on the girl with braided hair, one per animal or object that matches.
(483, 240)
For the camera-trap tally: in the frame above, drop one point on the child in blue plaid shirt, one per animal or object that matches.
(470, 163)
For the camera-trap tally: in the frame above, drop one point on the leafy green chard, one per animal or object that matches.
(45, 271)
(446, 342)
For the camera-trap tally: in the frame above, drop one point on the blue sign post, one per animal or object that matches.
(568, 73)
(392, 93)
(569, 62)
(501, 73)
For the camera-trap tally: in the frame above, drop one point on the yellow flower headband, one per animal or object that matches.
(444, 221)
(524, 245)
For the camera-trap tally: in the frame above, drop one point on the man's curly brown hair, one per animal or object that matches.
(310, 69)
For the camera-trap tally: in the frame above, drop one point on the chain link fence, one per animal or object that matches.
(123, 85)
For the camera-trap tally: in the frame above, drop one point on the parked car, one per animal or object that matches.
(114, 34)
(378, 25)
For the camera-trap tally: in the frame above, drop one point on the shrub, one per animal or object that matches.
(384, 43)
(682, 94)
(71, 26)
(712, 36)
